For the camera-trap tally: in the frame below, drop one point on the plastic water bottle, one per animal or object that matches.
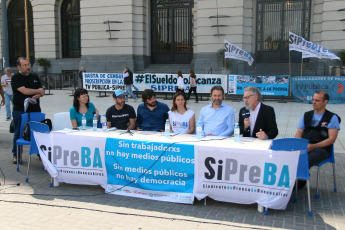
(104, 123)
(94, 122)
(198, 130)
(83, 122)
(237, 133)
(167, 128)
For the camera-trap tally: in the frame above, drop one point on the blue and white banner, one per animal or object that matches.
(304, 87)
(268, 85)
(103, 81)
(234, 52)
(309, 49)
(245, 176)
(77, 161)
(152, 170)
(168, 82)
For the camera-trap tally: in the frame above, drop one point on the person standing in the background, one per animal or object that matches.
(128, 80)
(82, 70)
(192, 86)
(8, 93)
(180, 83)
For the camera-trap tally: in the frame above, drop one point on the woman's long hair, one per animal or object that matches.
(77, 93)
(178, 93)
(179, 74)
(192, 74)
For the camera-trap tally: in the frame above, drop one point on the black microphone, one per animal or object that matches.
(245, 113)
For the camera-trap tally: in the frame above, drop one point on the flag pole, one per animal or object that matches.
(26, 30)
(302, 67)
(290, 72)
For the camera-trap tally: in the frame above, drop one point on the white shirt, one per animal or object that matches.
(180, 83)
(7, 89)
(180, 122)
(253, 115)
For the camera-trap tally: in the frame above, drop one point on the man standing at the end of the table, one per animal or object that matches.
(257, 119)
(217, 119)
(152, 114)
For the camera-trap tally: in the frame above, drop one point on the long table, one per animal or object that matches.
(175, 168)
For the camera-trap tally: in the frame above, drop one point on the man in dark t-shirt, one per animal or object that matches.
(24, 85)
(120, 115)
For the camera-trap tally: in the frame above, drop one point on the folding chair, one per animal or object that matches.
(295, 144)
(62, 121)
(34, 116)
(37, 127)
(330, 159)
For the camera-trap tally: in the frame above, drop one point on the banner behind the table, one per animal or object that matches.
(303, 88)
(268, 85)
(245, 176)
(103, 81)
(152, 170)
(168, 82)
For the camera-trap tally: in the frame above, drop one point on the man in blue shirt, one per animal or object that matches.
(217, 119)
(320, 127)
(152, 114)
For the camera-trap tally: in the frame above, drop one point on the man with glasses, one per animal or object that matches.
(24, 85)
(257, 119)
(217, 119)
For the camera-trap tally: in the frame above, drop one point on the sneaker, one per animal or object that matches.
(14, 161)
(135, 100)
(196, 102)
(7, 119)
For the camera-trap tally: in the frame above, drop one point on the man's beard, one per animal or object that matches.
(217, 102)
(25, 73)
(153, 104)
(249, 107)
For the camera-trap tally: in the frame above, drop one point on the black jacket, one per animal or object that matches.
(266, 120)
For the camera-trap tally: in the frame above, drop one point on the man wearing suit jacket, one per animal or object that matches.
(257, 119)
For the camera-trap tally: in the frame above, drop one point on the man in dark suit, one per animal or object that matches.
(257, 119)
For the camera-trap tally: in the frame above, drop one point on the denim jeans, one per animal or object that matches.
(129, 91)
(17, 120)
(8, 100)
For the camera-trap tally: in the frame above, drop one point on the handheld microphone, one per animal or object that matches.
(245, 113)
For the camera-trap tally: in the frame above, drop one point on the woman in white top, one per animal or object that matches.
(180, 83)
(182, 120)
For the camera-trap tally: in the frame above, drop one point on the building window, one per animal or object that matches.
(275, 18)
(70, 22)
(16, 31)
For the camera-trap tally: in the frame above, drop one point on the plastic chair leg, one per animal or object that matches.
(334, 178)
(27, 172)
(18, 149)
(317, 183)
(309, 201)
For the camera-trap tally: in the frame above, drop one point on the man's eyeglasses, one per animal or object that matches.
(247, 97)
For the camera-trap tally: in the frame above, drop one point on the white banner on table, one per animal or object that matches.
(103, 81)
(168, 82)
(245, 176)
(77, 159)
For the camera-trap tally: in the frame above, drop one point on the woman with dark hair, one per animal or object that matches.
(192, 86)
(81, 106)
(182, 120)
(180, 83)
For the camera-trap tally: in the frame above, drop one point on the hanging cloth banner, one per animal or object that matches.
(234, 52)
(309, 49)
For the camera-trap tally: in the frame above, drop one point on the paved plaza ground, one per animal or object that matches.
(35, 205)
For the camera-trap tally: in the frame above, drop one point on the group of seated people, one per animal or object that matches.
(256, 119)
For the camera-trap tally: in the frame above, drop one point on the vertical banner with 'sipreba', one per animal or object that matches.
(151, 170)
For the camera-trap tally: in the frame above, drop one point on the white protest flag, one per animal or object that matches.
(309, 49)
(234, 52)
